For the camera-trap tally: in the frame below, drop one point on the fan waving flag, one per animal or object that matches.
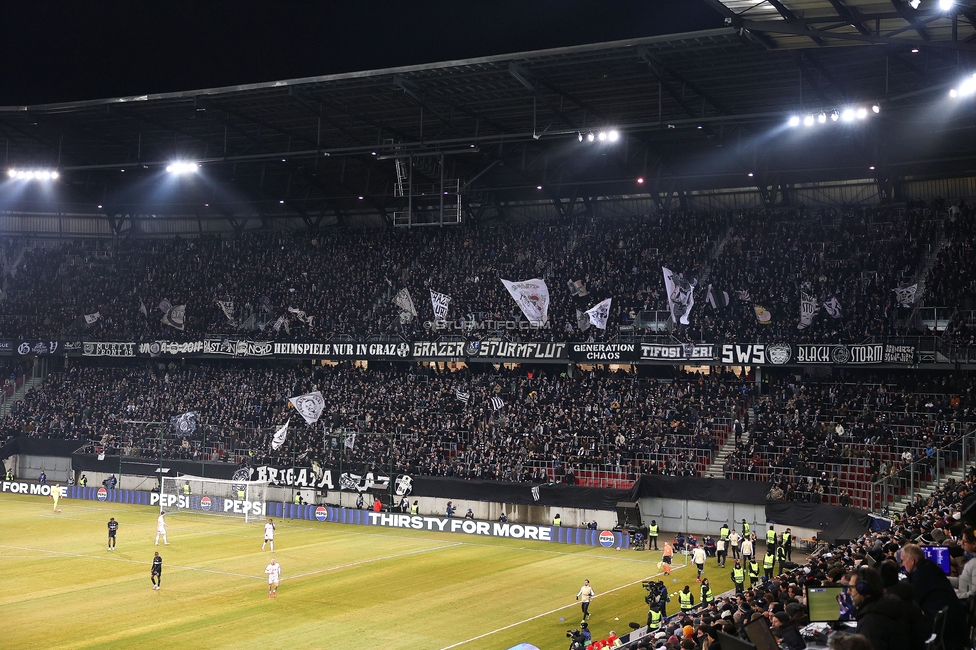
(599, 314)
(681, 295)
(184, 424)
(279, 436)
(461, 395)
(497, 403)
(440, 302)
(309, 406)
(532, 297)
(175, 317)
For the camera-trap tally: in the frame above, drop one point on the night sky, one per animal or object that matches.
(60, 51)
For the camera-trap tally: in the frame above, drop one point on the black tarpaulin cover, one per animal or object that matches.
(699, 489)
(835, 522)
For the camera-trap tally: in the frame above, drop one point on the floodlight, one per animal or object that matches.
(822, 117)
(579, 136)
(182, 167)
(751, 174)
(946, 5)
(966, 88)
(808, 120)
(876, 108)
(862, 113)
(538, 187)
(32, 174)
(589, 136)
(834, 116)
(847, 115)
(640, 180)
(602, 136)
(794, 120)
(613, 135)
(914, 3)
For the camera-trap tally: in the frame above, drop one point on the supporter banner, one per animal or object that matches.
(38, 348)
(489, 349)
(834, 354)
(603, 351)
(108, 349)
(171, 348)
(860, 354)
(688, 352)
(398, 350)
(6, 346)
(238, 348)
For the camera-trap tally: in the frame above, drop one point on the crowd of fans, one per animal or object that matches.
(296, 285)
(893, 609)
(808, 436)
(550, 424)
(813, 440)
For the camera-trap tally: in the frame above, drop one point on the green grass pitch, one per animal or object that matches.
(342, 585)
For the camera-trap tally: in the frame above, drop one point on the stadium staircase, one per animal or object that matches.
(898, 505)
(717, 466)
(13, 394)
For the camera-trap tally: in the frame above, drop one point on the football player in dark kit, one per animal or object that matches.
(156, 574)
(113, 527)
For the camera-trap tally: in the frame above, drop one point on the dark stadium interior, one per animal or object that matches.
(799, 165)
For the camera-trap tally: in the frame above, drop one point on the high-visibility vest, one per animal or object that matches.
(768, 561)
(298, 499)
(780, 553)
(10, 475)
(655, 619)
(186, 488)
(787, 538)
(746, 530)
(686, 600)
(706, 594)
(83, 482)
(738, 575)
(415, 509)
(724, 532)
(753, 570)
(770, 537)
(652, 531)
(557, 522)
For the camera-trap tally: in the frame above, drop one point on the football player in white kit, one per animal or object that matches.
(269, 529)
(274, 574)
(161, 528)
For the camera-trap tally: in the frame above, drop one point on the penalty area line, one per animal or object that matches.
(552, 611)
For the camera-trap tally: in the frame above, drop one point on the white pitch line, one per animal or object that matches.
(553, 611)
(122, 559)
(373, 559)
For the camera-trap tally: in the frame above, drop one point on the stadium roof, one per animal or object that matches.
(695, 111)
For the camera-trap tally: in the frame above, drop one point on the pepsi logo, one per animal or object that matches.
(205, 503)
(606, 539)
(102, 494)
(321, 513)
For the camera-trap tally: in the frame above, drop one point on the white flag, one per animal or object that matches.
(91, 318)
(227, 306)
(743, 295)
(165, 305)
(175, 317)
(532, 297)
(497, 403)
(717, 299)
(809, 308)
(279, 436)
(278, 323)
(350, 441)
(309, 406)
(599, 314)
(142, 308)
(832, 307)
(906, 295)
(582, 320)
(681, 295)
(440, 302)
(405, 302)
